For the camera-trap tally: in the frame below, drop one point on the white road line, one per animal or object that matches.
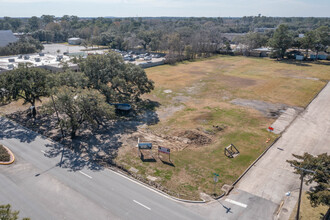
(142, 205)
(147, 187)
(43, 152)
(136, 182)
(236, 203)
(85, 174)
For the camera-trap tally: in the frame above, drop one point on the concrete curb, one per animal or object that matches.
(12, 157)
(317, 94)
(112, 168)
(254, 162)
(192, 201)
(219, 197)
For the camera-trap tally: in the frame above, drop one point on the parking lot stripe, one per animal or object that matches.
(236, 203)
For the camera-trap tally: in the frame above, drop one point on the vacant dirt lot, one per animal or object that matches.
(202, 117)
(201, 108)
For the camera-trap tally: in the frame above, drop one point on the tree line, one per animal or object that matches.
(155, 34)
(316, 40)
(78, 97)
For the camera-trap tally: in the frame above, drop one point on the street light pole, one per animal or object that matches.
(301, 184)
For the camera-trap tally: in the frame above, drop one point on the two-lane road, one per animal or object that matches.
(40, 189)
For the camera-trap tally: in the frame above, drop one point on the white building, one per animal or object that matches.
(74, 41)
(45, 61)
(7, 37)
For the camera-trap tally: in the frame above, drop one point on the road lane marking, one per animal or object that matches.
(148, 187)
(236, 203)
(142, 205)
(43, 152)
(85, 174)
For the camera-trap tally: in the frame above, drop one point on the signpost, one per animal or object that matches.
(165, 151)
(145, 146)
(216, 179)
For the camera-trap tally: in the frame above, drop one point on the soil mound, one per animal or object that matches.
(196, 137)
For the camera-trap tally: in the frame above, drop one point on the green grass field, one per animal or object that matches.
(204, 89)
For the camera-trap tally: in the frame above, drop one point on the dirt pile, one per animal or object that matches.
(196, 137)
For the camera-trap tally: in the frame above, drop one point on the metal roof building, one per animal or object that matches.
(74, 41)
(7, 37)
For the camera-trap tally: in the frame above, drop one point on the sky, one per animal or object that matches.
(169, 8)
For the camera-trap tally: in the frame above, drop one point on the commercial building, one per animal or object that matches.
(41, 60)
(7, 37)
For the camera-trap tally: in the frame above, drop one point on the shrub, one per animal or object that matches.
(4, 155)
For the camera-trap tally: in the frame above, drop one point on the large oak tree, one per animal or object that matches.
(281, 40)
(25, 82)
(118, 81)
(78, 106)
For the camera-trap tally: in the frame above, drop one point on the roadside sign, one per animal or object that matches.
(216, 177)
(145, 146)
(164, 150)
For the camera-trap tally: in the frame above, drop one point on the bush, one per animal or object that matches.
(4, 155)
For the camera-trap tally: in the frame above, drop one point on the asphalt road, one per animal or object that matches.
(40, 189)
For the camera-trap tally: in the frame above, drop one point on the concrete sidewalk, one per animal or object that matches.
(272, 176)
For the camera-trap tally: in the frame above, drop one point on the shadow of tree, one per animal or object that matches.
(71, 160)
(326, 63)
(93, 147)
(306, 63)
(295, 62)
(11, 130)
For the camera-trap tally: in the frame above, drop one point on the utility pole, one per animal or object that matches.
(303, 172)
(58, 117)
(62, 132)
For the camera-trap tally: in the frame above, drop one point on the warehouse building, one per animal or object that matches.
(7, 37)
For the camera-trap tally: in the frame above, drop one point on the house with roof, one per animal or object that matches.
(7, 37)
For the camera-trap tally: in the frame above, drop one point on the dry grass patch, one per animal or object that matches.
(201, 95)
(197, 119)
(307, 212)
